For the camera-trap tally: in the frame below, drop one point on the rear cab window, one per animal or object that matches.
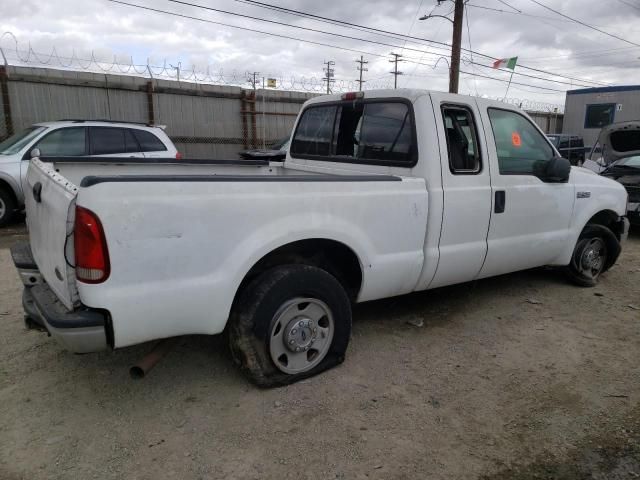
(377, 131)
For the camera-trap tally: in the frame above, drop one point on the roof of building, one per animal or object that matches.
(612, 89)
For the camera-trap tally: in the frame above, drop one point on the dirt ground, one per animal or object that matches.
(518, 377)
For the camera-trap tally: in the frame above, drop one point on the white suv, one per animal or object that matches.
(73, 138)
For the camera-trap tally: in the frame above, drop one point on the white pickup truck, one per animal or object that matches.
(382, 193)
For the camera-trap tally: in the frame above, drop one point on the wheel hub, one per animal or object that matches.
(591, 259)
(299, 334)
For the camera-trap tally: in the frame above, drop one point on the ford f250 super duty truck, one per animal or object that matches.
(381, 193)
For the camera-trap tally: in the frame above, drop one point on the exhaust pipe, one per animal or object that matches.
(160, 349)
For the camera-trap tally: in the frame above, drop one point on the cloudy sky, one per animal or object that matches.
(542, 40)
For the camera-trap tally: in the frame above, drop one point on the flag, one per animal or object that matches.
(506, 63)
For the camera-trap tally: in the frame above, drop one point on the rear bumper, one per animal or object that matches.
(81, 330)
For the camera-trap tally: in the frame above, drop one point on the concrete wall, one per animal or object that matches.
(204, 121)
(627, 100)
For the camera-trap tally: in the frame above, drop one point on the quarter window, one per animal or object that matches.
(521, 148)
(462, 141)
(64, 142)
(148, 141)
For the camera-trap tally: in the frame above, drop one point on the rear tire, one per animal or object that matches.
(595, 252)
(7, 207)
(289, 323)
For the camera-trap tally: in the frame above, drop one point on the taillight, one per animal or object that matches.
(178, 156)
(90, 244)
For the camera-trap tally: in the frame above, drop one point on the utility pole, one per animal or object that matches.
(395, 72)
(456, 42)
(329, 74)
(361, 69)
(252, 78)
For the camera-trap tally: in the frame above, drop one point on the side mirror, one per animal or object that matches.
(35, 153)
(557, 170)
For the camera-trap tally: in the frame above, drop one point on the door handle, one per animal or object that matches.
(500, 201)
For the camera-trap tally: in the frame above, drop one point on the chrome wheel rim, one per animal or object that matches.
(301, 335)
(592, 258)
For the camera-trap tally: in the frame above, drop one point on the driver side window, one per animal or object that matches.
(521, 148)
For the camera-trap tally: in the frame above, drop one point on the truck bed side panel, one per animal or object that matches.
(179, 250)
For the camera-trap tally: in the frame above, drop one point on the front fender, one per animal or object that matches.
(594, 194)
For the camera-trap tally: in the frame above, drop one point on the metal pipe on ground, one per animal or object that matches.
(157, 353)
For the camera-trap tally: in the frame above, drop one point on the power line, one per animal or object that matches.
(513, 83)
(316, 31)
(580, 22)
(288, 37)
(484, 7)
(629, 4)
(475, 84)
(585, 54)
(386, 32)
(510, 6)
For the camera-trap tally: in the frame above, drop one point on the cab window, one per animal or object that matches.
(521, 148)
(371, 132)
(462, 142)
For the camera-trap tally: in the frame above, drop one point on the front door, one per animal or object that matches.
(466, 190)
(530, 217)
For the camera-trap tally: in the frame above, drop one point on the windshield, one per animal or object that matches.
(630, 161)
(16, 142)
(553, 139)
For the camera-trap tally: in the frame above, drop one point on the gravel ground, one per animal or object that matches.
(517, 377)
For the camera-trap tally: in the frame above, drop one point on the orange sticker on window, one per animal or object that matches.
(515, 139)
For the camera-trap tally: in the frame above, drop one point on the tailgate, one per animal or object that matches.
(49, 198)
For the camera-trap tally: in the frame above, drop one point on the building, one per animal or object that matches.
(587, 110)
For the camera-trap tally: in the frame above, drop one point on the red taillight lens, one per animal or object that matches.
(90, 244)
(178, 156)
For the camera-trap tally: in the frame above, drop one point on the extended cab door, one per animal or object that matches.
(530, 217)
(466, 190)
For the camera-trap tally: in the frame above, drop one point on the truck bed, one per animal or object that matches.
(181, 238)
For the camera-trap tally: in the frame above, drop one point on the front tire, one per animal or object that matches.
(289, 323)
(595, 252)
(7, 207)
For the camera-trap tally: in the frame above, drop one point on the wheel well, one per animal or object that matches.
(606, 218)
(5, 186)
(330, 255)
